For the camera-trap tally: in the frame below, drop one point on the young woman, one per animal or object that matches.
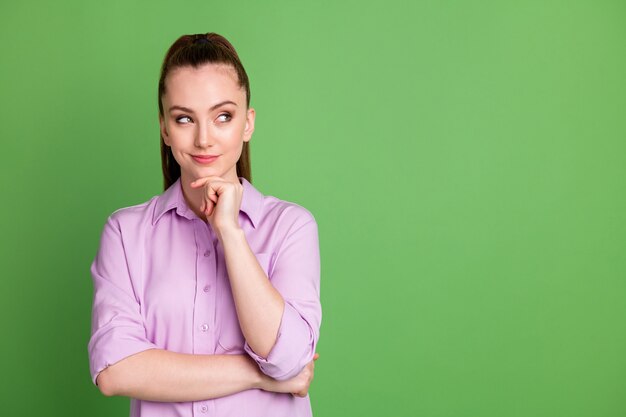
(206, 297)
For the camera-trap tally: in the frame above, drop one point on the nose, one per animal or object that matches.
(203, 137)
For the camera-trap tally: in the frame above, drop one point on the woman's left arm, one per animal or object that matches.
(278, 316)
(281, 333)
(259, 305)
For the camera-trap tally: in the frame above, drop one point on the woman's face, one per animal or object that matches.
(205, 120)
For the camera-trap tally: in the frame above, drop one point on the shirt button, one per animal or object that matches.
(207, 253)
(204, 408)
(207, 288)
(204, 327)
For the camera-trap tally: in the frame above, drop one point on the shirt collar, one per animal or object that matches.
(172, 198)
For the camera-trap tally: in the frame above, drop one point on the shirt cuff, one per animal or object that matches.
(112, 346)
(293, 350)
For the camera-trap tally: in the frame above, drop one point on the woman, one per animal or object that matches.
(206, 297)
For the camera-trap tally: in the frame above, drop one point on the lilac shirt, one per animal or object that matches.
(160, 281)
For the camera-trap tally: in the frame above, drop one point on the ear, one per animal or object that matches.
(163, 129)
(249, 129)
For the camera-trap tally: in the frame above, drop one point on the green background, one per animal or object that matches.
(465, 162)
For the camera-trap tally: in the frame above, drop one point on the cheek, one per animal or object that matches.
(179, 137)
(233, 138)
(178, 145)
(232, 149)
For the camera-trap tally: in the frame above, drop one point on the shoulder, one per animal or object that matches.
(124, 230)
(270, 213)
(291, 230)
(282, 208)
(135, 215)
(286, 215)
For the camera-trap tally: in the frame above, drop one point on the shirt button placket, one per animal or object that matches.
(203, 339)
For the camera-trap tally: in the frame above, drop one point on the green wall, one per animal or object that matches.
(465, 161)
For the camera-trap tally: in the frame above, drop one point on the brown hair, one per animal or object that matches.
(187, 51)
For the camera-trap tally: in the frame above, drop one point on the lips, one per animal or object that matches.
(204, 159)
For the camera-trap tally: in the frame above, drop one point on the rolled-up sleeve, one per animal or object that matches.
(117, 327)
(296, 276)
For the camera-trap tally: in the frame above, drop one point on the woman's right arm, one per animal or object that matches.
(161, 375)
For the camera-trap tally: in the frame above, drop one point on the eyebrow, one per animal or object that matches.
(213, 107)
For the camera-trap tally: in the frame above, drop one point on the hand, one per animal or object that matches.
(298, 385)
(221, 202)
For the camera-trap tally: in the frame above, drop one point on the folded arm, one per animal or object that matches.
(161, 375)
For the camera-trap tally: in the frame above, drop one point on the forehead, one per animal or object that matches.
(203, 85)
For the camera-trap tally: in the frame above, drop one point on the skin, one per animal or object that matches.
(215, 121)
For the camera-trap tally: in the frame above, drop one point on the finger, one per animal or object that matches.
(209, 207)
(316, 356)
(213, 194)
(212, 188)
(198, 182)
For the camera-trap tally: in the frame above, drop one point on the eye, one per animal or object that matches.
(182, 118)
(224, 117)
